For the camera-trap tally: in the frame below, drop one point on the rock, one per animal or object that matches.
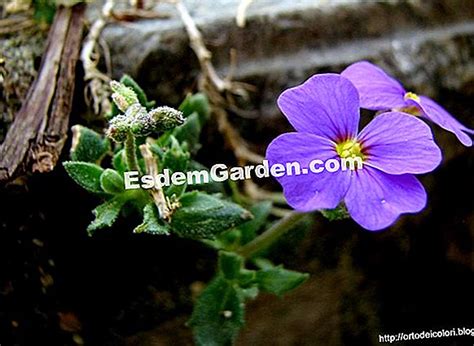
(287, 40)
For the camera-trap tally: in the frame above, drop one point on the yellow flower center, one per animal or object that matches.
(349, 148)
(413, 109)
(411, 96)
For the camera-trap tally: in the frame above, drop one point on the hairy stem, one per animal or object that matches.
(267, 238)
(131, 153)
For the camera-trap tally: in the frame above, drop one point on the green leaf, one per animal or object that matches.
(189, 132)
(118, 162)
(210, 187)
(44, 11)
(218, 314)
(246, 277)
(111, 181)
(229, 240)
(249, 229)
(202, 216)
(114, 111)
(230, 264)
(278, 280)
(106, 213)
(151, 222)
(175, 158)
(338, 213)
(250, 293)
(196, 103)
(88, 145)
(86, 174)
(130, 82)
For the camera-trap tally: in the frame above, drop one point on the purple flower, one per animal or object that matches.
(325, 113)
(379, 91)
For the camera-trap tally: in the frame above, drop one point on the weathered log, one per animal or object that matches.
(37, 135)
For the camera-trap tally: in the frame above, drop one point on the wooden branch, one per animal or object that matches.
(39, 130)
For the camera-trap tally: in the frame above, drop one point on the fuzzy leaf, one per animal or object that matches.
(175, 158)
(218, 314)
(250, 293)
(203, 216)
(106, 214)
(86, 174)
(118, 162)
(247, 277)
(230, 264)
(151, 223)
(130, 82)
(338, 213)
(196, 103)
(249, 229)
(278, 280)
(111, 181)
(88, 145)
(189, 132)
(210, 187)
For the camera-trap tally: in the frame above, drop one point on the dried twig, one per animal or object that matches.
(217, 88)
(199, 48)
(130, 15)
(241, 12)
(97, 90)
(157, 193)
(10, 25)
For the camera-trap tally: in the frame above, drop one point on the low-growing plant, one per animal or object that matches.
(395, 146)
(148, 139)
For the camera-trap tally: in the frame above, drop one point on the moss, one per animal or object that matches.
(20, 56)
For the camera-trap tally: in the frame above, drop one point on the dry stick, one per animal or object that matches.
(157, 193)
(214, 87)
(199, 48)
(53, 133)
(8, 25)
(241, 12)
(36, 137)
(96, 80)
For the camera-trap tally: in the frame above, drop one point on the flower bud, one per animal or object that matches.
(118, 128)
(165, 118)
(123, 96)
(140, 121)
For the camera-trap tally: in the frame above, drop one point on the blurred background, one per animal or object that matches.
(60, 287)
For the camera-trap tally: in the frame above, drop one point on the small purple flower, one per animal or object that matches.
(379, 91)
(325, 113)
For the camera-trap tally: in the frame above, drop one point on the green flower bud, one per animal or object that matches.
(140, 121)
(165, 118)
(123, 96)
(118, 128)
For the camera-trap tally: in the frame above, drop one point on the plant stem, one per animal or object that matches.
(270, 235)
(157, 193)
(131, 153)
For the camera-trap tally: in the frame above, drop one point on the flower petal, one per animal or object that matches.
(377, 90)
(438, 115)
(326, 105)
(398, 143)
(311, 191)
(376, 199)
